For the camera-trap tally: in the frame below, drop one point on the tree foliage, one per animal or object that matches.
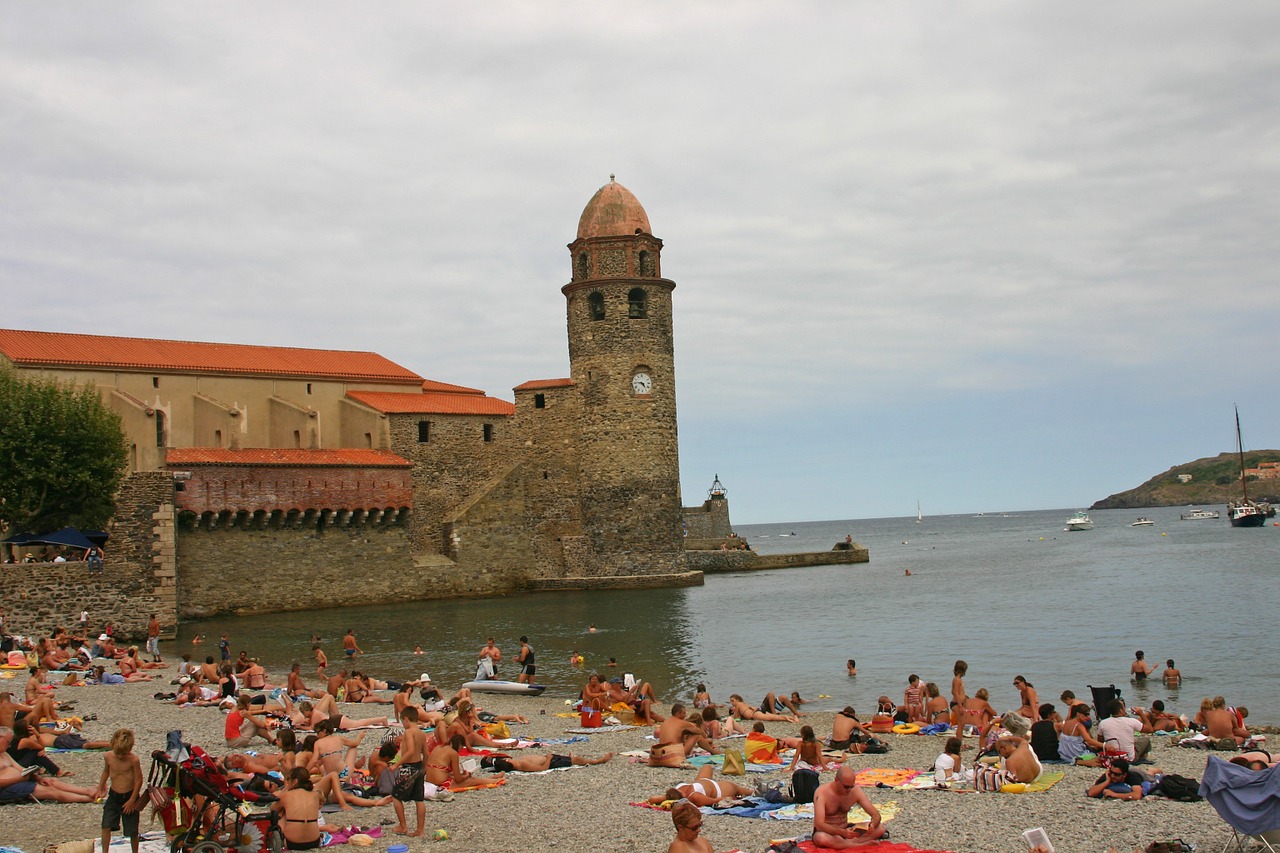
(62, 455)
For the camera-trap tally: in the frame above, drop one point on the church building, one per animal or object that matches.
(257, 471)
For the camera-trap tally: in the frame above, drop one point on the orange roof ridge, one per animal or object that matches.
(533, 384)
(431, 386)
(436, 403)
(142, 354)
(292, 457)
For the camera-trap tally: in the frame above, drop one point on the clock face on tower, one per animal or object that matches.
(641, 384)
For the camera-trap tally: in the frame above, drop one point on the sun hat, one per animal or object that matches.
(102, 638)
(186, 679)
(424, 677)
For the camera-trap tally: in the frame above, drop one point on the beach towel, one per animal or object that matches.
(804, 811)
(1047, 780)
(761, 749)
(880, 847)
(700, 760)
(599, 730)
(890, 776)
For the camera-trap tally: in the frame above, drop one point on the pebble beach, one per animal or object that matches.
(587, 809)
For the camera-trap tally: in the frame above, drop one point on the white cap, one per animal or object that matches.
(424, 677)
(102, 638)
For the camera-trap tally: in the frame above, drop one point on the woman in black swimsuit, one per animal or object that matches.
(299, 807)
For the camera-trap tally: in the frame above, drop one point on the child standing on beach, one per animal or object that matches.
(121, 783)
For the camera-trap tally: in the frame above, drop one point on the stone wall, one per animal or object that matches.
(283, 488)
(709, 521)
(712, 562)
(137, 577)
(692, 578)
(266, 570)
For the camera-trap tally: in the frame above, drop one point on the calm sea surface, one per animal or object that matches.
(1011, 593)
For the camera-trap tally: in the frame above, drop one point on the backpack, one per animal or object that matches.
(804, 784)
(1179, 788)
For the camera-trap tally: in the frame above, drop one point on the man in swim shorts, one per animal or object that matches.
(526, 660)
(349, 646)
(831, 805)
(676, 731)
(409, 773)
(1018, 764)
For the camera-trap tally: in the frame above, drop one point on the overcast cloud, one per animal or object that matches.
(987, 256)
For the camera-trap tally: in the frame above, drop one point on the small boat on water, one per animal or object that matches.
(1080, 521)
(1199, 515)
(496, 686)
(1244, 512)
(1142, 522)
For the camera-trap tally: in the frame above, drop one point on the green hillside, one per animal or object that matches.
(1214, 480)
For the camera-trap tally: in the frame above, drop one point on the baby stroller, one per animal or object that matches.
(203, 812)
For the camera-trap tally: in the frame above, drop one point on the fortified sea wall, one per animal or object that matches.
(138, 576)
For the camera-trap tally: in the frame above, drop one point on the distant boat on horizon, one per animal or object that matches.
(919, 515)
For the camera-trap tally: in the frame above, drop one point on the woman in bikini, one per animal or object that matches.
(809, 753)
(744, 711)
(958, 695)
(299, 807)
(935, 707)
(703, 790)
(444, 768)
(976, 714)
(1030, 700)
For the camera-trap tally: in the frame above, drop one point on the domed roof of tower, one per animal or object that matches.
(612, 212)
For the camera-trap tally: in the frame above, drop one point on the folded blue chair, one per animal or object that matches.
(1248, 800)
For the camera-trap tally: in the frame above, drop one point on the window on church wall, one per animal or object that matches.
(424, 432)
(488, 432)
(161, 433)
(595, 305)
(582, 266)
(637, 304)
(539, 401)
(368, 440)
(217, 438)
(648, 265)
(297, 439)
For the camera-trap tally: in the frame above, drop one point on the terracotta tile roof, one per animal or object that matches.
(56, 349)
(430, 386)
(535, 384)
(433, 404)
(266, 456)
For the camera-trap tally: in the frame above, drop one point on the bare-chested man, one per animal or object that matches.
(42, 709)
(408, 772)
(487, 661)
(1221, 722)
(831, 804)
(640, 698)
(1017, 764)
(678, 731)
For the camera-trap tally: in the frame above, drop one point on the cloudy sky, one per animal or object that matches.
(985, 256)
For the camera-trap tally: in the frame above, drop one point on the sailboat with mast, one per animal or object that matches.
(919, 515)
(1244, 512)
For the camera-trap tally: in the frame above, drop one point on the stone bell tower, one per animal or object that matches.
(622, 361)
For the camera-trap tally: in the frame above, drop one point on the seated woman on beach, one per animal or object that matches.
(808, 753)
(745, 712)
(444, 768)
(468, 725)
(948, 768)
(1075, 744)
(1162, 720)
(299, 807)
(936, 709)
(360, 690)
(138, 663)
(976, 714)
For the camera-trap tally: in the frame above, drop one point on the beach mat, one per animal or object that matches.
(879, 847)
(804, 811)
(892, 777)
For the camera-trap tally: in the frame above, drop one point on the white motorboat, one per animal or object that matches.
(1080, 521)
(1200, 515)
(1142, 522)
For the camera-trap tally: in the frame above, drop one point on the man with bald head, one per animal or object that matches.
(688, 821)
(831, 804)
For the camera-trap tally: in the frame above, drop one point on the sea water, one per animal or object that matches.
(1012, 593)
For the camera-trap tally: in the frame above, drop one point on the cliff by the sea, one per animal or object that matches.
(1214, 480)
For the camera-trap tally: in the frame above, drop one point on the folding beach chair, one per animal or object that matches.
(1102, 697)
(1248, 800)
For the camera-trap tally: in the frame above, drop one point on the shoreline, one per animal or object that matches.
(586, 810)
